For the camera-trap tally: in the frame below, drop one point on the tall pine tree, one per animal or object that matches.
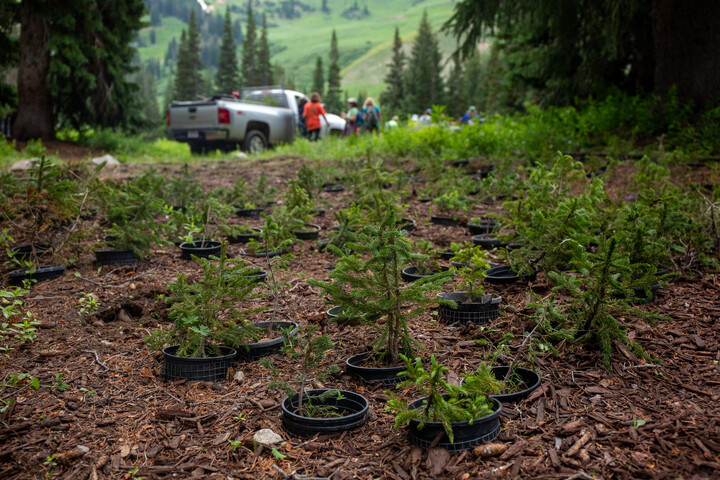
(189, 81)
(318, 77)
(423, 81)
(393, 98)
(227, 77)
(74, 63)
(265, 69)
(457, 101)
(249, 63)
(332, 98)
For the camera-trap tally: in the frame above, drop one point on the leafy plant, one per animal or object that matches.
(274, 238)
(205, 313)
(373, 287)
(350, 221)
(451, 203)
(443, 402)
(87, 306)
(15, 323)
(600, 293)
(307, 351)
(472, 273)
(131, 210)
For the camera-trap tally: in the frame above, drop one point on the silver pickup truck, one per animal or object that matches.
(226, 123)
(265, 116)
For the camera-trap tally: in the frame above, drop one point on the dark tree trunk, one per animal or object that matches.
(687, 48)
(35, 107)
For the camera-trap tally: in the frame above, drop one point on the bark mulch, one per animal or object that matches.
(116, 418)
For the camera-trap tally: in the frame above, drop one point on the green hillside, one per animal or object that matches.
(364, 43)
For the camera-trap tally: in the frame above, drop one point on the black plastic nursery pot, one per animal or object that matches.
(257, 350)
(261, 254)
(484, 227)
(425, 199)
(200, 249)
(477, 312)
(505, 275)
(40, 274)
(249, 212)
(210, 369)
(318, 212)
(488, 241)
(447, 254)
(336, 316)
(373, 375)
(407, 225)
(257, 276)
(410, 274)
(312, 232)
(530, 379)
(116, 257)
(334, 187)
(353, 408)
(245, 237)
(444, 221)
(467, 435)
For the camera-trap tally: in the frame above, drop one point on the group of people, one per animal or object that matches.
(358, 120)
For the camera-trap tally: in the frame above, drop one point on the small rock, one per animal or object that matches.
(132, 286)
(267, 437)
(239, 375)
(22, 165)
(110, 162)
(240, 155)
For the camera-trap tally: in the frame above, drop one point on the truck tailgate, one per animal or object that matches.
(194, 115)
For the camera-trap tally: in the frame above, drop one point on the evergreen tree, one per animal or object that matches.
(318, 77)
(423, 81)
(332, 98)
(189, 81)
(75, 63)
(324, 7)
(457, 101)
(476, 82)
(152, 37)
(227, 77)
(249, 67)
(237, 32)
(393, 98)
(265, 70)
(169, 95)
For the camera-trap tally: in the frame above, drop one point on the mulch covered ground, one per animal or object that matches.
(118, 419)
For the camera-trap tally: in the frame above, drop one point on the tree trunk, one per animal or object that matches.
(35, 107)
(687, 45)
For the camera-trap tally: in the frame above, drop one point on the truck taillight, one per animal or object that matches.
(223, 115)
(167, 117)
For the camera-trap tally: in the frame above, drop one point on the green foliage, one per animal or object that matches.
(131, 209)
(206, 313)
(443, 402)
(249, 66)
(188, 80)
(393, 98)
(424, 85)
(350, 221)
(307, 351)
(227, 77)
(472, 273)
(373, 287)
(333, 103)
(600, 292)
(451, 203)
(87, 306)
(15, 323)
(558, 208)
(183, 189)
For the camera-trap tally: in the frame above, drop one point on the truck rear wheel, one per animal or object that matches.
(196, 148)
(255, 141)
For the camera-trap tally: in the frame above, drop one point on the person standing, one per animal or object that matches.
(312, 112)
(371, 116)
(353, 117)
